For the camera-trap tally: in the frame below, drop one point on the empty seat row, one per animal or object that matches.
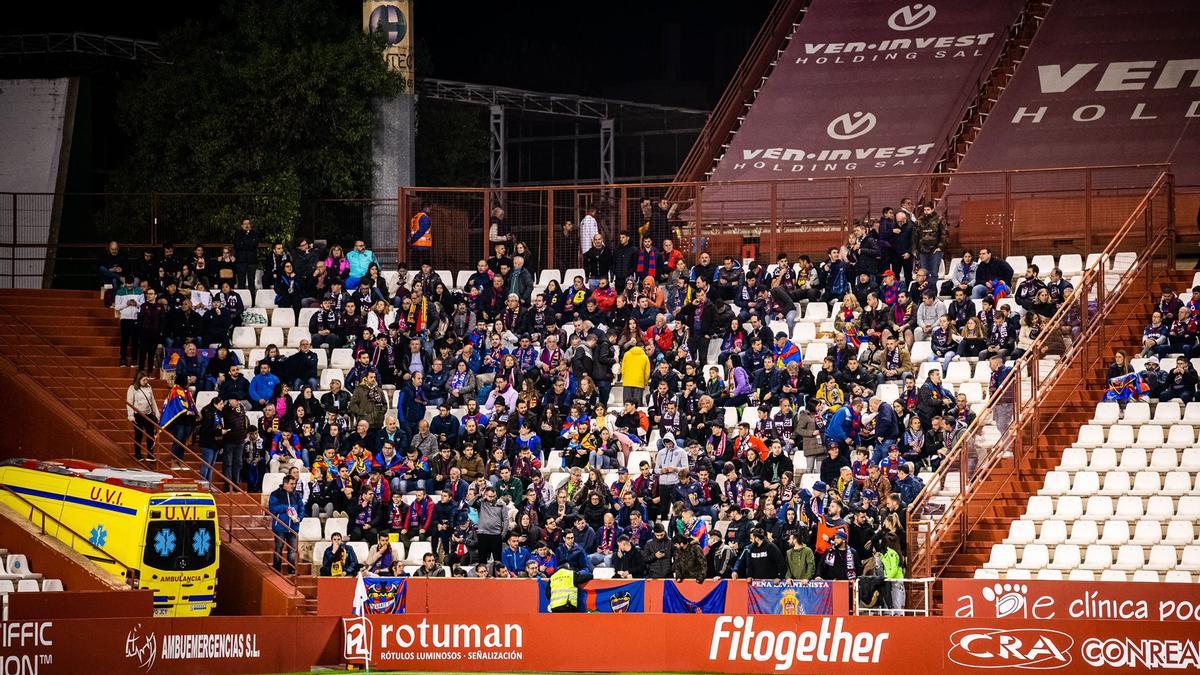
(1145, 436)
(1133, 459)
(1069, 508)
(1120, 576)
(1128, 557)
(1087, 483)
(30, 585)
(1115, 532)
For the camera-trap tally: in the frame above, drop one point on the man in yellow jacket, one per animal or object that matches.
(635, 373)
(562, 592)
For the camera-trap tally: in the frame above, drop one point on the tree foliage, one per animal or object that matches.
(271, 99)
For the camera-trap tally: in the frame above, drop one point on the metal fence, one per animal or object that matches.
(989, 453)
(1071, 210)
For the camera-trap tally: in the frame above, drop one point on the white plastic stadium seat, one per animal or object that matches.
(1083, 533)
(1181, 436)
(1004, 556)
(1066, 557)
(244, 338)
(1052, 532)
(1190, 558)
(1099, 507)
(284, 317)
(1160, 508)
(1130, 557)
(1168, 413)
(1164, 460)
(1136, 412)
(1057, 483)
(1034, 556)
(1132, 459)
(1090, 436)
(264, 298)
(1097, 557)
(1107, 412)
(271, 335)
(1116, 533)
(1103, 460)
(1021, 532)
(1119, 436)
(1040, 507)
(1162, 557)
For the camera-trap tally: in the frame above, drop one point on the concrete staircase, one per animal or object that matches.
(68, 344)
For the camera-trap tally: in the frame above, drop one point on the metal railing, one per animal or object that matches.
(917, 597)
(1070, 209)
(955, 494)
(85, 393)
(89, 550)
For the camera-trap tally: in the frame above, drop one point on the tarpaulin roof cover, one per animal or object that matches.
(1104, 82)
(867, 88)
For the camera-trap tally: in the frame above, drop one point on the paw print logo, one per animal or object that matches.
(1010, 599)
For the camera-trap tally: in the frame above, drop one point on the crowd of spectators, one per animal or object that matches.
(537, 378)
(1169, 341)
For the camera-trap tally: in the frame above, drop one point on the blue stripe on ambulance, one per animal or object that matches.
(74, 500)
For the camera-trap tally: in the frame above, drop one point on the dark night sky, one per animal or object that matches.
(670, 51)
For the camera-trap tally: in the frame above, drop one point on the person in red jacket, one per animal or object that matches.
(420, 518)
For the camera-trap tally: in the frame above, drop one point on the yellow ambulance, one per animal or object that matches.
(161, 526)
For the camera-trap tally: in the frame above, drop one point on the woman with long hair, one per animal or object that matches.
(142, 411)
(336, 263)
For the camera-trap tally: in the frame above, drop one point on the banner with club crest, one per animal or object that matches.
(380, 595)
(627, 598)
(799, 598)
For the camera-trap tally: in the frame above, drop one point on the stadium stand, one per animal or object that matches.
(823, 335)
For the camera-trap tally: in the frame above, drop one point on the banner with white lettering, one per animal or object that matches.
(867, 88)
(1049, 600)
(766, 644)
(1105, 82)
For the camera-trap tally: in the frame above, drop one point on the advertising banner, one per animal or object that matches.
(802, 598)
(336, 595)
(765, 644)
(1105, 82)
(392, 19)
(1050, 600)
(867, 88)
(249, 644)
(625, 598)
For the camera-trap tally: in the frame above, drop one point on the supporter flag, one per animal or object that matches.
(675, 603)
(624, 599)
(853, 337)
(999, 289)
(1128, 387)
(178, 403)
(791, 597)
(380, 595)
